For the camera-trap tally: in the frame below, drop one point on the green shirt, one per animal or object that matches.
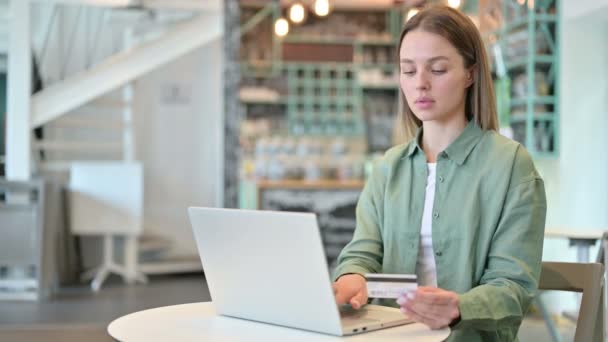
(487, 229)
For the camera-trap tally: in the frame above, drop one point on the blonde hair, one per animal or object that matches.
(460, 31)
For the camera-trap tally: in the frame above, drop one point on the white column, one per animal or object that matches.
(127, 100)
(18, 132)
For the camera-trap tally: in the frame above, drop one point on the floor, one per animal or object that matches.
(76, 314)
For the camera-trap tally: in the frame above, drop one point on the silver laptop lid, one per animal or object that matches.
(266, 266)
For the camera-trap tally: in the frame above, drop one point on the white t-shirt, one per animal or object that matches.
(426, 269)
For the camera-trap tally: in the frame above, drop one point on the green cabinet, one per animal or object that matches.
(323, 99)
(526, 61)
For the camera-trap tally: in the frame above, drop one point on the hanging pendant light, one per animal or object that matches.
(281, 27)
(454, 3)
(321, 7)
(297, 13)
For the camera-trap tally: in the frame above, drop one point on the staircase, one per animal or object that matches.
(102, 129)
(86, 113)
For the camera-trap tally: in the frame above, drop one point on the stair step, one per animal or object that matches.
(171, 265)
(106, 105)
(79, 122)
(153, 243)
(77, 146)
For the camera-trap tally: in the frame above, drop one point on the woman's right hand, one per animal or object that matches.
(351, 289)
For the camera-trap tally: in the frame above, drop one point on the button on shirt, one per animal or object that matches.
(487, 232)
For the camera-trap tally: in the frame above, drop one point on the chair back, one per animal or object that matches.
(106, 198)
(587, 278)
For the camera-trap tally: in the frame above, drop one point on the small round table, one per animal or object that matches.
(200, 322)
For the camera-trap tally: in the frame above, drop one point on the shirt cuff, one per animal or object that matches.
(466, 306)
(346, 269)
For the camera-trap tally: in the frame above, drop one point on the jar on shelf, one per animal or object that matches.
(344, 169)
(276, 169)
(312, 169)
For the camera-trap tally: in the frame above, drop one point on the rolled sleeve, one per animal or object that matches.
(365, 251)
(513, 267)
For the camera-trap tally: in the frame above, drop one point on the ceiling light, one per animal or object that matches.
(321, 7)
(281, 27)
(297, 13)
(454, 3)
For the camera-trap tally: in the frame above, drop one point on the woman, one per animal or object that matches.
(459, 205)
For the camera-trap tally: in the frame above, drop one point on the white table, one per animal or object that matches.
(582, 239)
(200, 322)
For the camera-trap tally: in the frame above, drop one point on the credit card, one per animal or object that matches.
(381, 285)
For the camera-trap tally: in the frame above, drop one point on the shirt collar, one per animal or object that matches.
(459, 149)
(415, 143)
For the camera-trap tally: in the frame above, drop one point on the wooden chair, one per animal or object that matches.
(587, 278)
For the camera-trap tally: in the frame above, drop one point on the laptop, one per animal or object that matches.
(270, 267)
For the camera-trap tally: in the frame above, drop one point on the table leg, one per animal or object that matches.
(555, 336)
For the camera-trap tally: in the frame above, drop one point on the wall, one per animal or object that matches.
(573, 9)
(179, 112)
(577, 182)
(3, 33)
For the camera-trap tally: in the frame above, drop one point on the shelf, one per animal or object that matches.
(281, 100)
(539, 18)
(383, 66)
(536, 100)
(536, 117)
(544, 154)
(261, 96)
(259, 69)
(379, 86)
(302, 39)
(345, 100)
(344, 40)
(264, 102)
(376, 42)
(522, 62)
(320, 184)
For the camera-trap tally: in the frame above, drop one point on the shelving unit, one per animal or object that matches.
(324, 99)
(328, 74)
(529, 40)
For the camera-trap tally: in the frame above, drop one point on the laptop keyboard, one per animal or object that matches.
(346, 311)
(350, 316)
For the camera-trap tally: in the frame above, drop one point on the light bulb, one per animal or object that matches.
(454, 3)
(281, 27)
(412, 12)
(321, 7)
(297, 13)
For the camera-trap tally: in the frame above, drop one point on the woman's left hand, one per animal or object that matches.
(437, 308)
